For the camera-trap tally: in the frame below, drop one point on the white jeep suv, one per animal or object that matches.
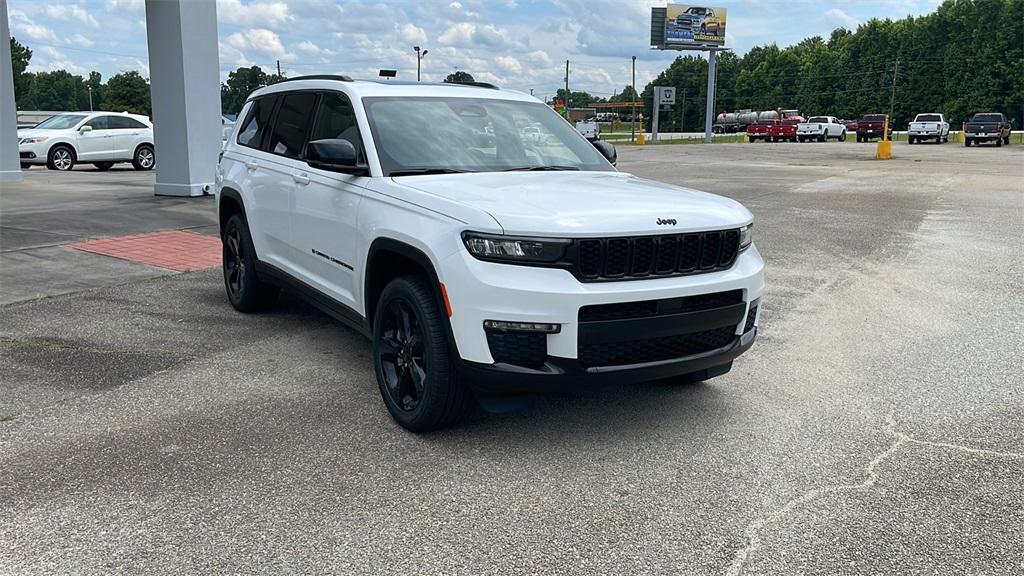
(98, 138)
(477, 257)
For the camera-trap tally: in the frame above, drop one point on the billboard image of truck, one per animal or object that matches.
(688, 25)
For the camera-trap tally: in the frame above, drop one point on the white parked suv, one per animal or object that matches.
(821, 128)
(98, 138)
(477, 261)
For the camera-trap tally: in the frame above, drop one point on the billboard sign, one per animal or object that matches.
(682, 26)
(666, 95)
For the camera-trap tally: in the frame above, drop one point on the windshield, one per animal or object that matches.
(987, 118)
(818, 120)
(873, 118)
(475, 135)
(60, 122)
(928, 118)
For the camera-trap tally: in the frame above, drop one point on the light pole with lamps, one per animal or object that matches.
(419, 58)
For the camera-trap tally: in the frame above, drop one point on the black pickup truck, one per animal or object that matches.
(986, 127)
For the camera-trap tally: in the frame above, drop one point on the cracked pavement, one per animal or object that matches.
(873, 429)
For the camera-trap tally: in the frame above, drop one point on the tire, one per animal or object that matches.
(842, 136)
(61, 157)
(25, 166)
(103, 166)
(823, 137)
(999, 142)
(144, 158)
(244, 289)
(411, 358)
(1006, 140)
(967, 142)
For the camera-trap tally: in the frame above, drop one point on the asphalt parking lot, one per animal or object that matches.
(875, 427)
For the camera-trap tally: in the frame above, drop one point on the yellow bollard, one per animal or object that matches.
(640, 139)
(884, 149)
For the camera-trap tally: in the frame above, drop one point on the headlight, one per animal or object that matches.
(514, 249)
(33, 140)
(746, 237)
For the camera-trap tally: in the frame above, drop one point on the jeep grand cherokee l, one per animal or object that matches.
(490, 265)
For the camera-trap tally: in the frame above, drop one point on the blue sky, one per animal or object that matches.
(520, 44)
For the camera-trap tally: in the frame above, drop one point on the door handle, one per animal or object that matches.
(251, 165)
(302, 178)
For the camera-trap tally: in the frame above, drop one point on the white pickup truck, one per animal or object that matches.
(928, 127)
(821, 128)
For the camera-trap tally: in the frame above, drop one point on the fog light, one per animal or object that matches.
(522, 326)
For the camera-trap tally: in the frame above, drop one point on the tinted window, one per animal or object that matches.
(988, 118)
(99, 123)
(928, 118)
(123, 123)
(873, 118)
(252, 131)
(337, 120)
(818, 120)
(290, 125)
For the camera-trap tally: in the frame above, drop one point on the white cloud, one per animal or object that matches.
(259, 40)
(411, 33)
(837, 18)
(68, 12)
(256, 13)
(79, 40)
(118, 6)
(38, 32)
(307, 47)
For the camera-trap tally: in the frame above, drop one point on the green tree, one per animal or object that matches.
(127, 92)
(240, 84)
(58, 90)
(459, 76)
(20, 57)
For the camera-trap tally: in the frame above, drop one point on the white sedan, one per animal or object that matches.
(821, 128)
(98, 138)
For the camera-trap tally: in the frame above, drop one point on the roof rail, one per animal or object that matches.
(473, 83)
(337, 77)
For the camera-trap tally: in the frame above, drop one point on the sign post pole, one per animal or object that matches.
(654, 120)
(709, 111)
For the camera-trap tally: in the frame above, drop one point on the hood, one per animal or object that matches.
(28, 132)
(583, 203)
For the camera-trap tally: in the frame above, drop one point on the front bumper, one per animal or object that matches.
(480, 291)
(32, 153)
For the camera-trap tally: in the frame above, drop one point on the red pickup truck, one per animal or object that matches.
(871, 127)
(784, 130)
(759, 130)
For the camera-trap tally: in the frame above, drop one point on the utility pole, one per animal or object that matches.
(682, 112)
(892, 96)
(567, 94)
(90, 97)
(709, 111)
(279, 68)
(632, 131)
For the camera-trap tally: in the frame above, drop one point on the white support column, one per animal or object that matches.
(10, 165)
(185, 83)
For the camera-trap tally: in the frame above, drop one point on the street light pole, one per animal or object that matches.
(419, 58)
(90, 97)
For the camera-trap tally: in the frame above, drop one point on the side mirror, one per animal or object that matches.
(336, 154)
(85, 128)
(607, 150)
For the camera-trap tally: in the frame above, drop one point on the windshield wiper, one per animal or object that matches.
(425, 171)
(541, 168)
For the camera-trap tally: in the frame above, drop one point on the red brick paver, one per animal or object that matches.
(172, 249)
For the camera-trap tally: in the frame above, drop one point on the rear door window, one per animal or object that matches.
(100, 123)
(252, 131)
(290, 124)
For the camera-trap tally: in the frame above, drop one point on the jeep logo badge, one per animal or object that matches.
(666, 221)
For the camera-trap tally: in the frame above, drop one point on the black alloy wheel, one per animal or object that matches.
(234, 263)
(402, 362)
(245, 290)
